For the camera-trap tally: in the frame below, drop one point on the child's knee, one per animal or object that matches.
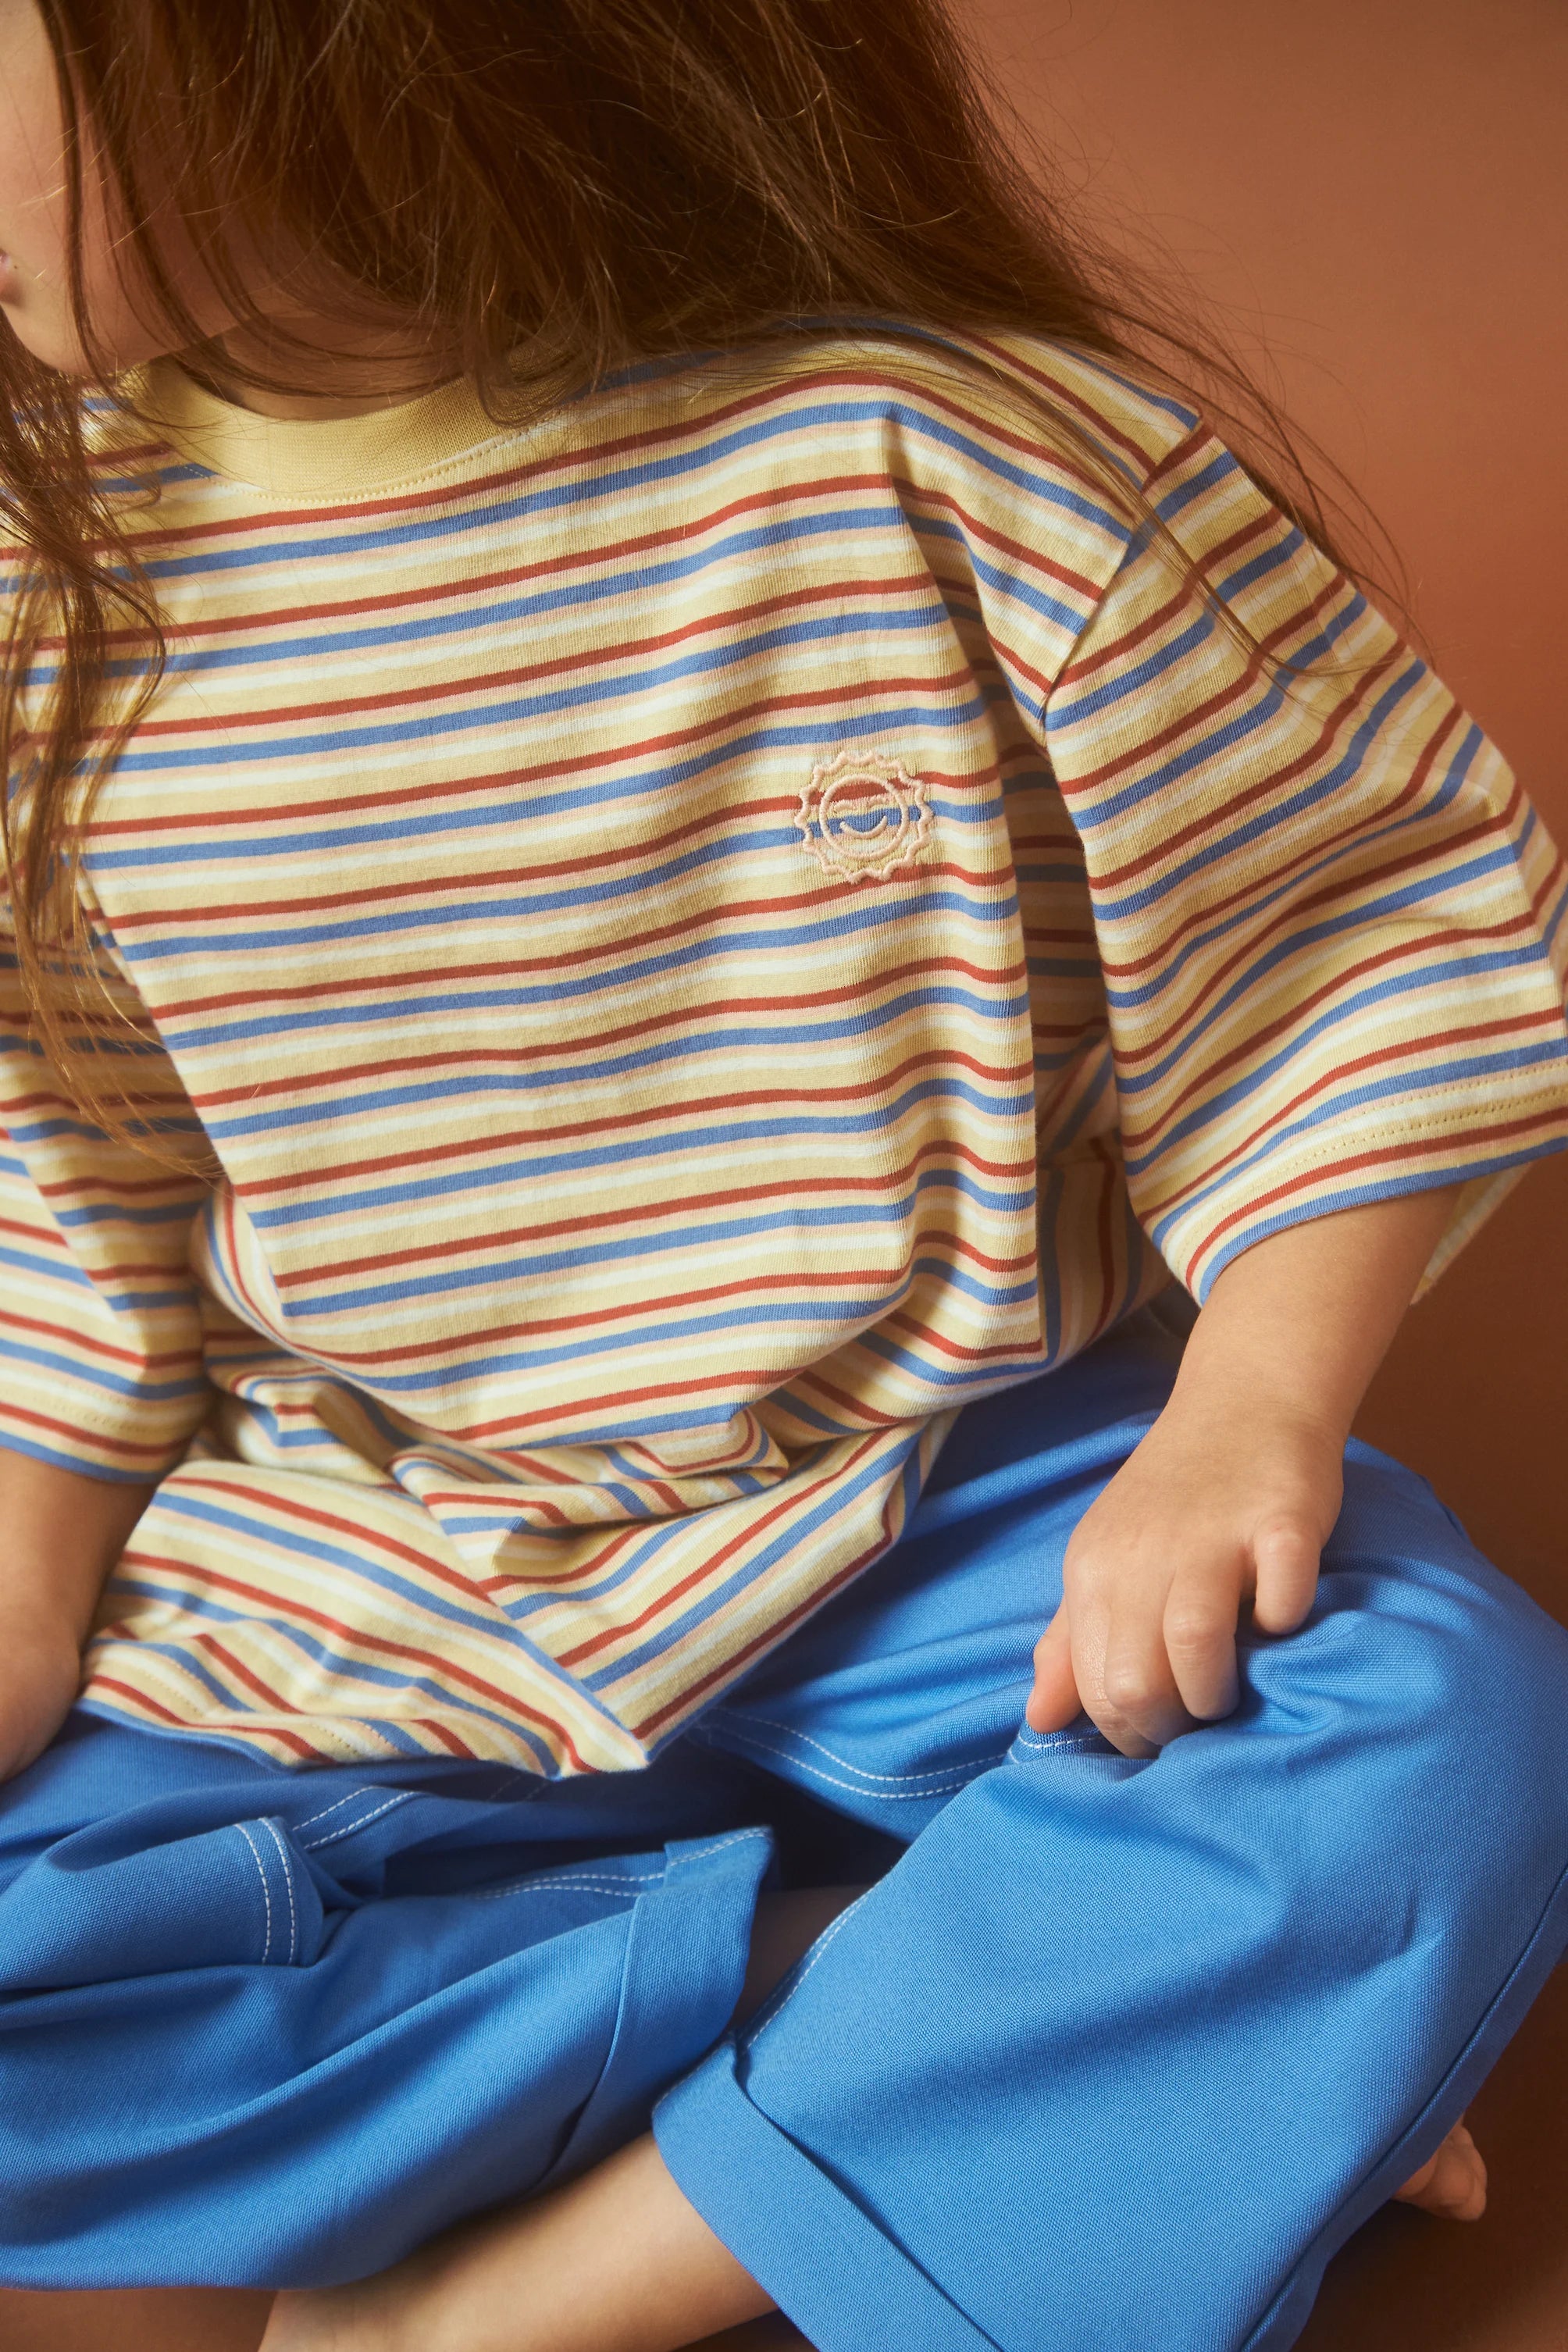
(1435, 1690)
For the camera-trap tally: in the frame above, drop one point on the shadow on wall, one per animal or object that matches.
(1376, 192)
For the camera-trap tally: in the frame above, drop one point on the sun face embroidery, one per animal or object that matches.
(863, 815)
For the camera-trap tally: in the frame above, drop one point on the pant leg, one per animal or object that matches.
(262, 2028)
(1120, 2052)
(908, 1686)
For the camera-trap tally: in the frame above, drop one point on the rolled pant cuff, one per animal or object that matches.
(833, 2270)
(824, 2260)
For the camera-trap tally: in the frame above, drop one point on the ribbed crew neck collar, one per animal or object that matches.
(341, 457)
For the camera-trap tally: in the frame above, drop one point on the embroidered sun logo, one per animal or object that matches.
(863, 815)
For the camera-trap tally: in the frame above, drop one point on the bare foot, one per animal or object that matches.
(1452, 2183)
(618, 2262)
(359, 2318)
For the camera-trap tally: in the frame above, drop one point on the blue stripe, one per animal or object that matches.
(362, 1563)
(1458, 965)
(90, 1375)
(529, 1270)
(1219, 467)
(509, 612)
(55, 1269)
(429, 1185)
(320, 1653)
(833, 1314)
(1135, 680)
(670, 777)
(882, 1470)
(1027, 1360)
(1360, 846)
(796, 1033)
(59, 1459)
(518, 712)
(1248, 722)
(522, 904)
(1277, 815)
(1392, 1187)
(1419, 1083)
(889, 412)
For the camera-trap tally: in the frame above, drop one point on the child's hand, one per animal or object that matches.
(1202, 1519)
(61, 1534)
(1235, 1491)
(40, 1666)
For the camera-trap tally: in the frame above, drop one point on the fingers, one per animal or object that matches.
(1130, 1695)
(1144, 1641)
(1153, 1650)
(1286, 1552)
(1200, 1641)
(1054, 1702)
(1120, 1662)
(1138, 1705)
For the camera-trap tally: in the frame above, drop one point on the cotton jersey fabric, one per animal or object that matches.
(1114, 2053)
(706, 933)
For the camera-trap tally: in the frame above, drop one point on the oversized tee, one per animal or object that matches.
(705, 933)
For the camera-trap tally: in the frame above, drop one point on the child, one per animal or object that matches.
(670, 832)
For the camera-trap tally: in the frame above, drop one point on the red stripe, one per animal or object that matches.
(356, 1637)
(691, 1693)
(1410, 1148)
(1404, 1049)
(287, 1507)
(1027, 553)
(1312, 852)
(812, 1381)
(504, 780)
(709, 1568)
(926, 1334)
(83, 1438)
(1182, 599)
(98, 1681)
(1199, 714)
(481, 1146)
(430, 888)
(458, 974)
(1438, 934)
(590, 460)
(833, 594)
(663, 1304)
(1402, 952)
(146, 1359)
(694, 1106)
(695, 1206)
(482, 584)
(1101, 420)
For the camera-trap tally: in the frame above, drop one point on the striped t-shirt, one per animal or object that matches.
(705, 933)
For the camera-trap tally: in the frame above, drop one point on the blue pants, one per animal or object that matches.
(1112, 2052)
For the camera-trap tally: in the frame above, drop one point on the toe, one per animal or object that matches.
(1453, 2183)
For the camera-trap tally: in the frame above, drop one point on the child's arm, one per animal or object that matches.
(1235, 1489)
(61, 1534)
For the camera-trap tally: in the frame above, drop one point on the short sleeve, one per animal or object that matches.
(100, 1340)
(1331, 925)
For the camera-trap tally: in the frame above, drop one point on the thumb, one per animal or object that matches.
(1054, 1702)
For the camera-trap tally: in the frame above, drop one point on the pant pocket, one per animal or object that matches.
(88, 1912)
(1078, 1745)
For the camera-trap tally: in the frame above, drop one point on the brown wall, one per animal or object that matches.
(1378, 185)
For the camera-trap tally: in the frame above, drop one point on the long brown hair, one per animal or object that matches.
(552, 189)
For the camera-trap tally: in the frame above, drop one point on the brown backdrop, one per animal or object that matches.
(1377, 188)
(1379, 183)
